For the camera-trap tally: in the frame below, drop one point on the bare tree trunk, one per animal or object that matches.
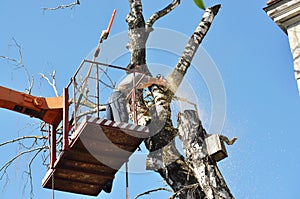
(164, 158)
(138, 36)
(205, 168)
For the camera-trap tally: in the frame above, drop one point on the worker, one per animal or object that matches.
(116, 107)
(115, 111)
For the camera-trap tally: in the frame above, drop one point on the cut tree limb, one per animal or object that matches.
(163, 99)
(164, 158)
(185, 60)
(205, 168)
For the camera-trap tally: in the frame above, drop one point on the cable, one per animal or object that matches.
(126, 177)
(52, 185)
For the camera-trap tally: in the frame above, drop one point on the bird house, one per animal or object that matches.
(215, 147)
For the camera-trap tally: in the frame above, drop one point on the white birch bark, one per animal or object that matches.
(204, 167)
(164, 157)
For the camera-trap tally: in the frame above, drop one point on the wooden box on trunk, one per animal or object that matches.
(215, 147)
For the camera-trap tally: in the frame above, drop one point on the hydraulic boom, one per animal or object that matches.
(50, 110)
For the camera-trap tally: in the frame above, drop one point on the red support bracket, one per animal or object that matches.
(134, 102)
(65, 119)
(53, 147)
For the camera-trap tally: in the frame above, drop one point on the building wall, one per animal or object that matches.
(294, 39)
(286, 14)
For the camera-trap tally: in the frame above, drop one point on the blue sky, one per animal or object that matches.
(251, 53)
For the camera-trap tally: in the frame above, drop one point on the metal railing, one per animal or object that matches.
(81, 97)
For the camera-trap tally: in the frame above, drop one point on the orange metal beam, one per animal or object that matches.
(50, 110)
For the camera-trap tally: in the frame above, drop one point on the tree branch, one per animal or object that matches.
(153, 190)
(168, 160)
(51, 83)
(7, 164)
(174, 163)
(174, 170)
(71, 5)
(185, 60)
(188, 187)
(162, 13)
(9, 59)
(92, 111)
(23, 138)
(205, 168)
(104, 83)
(29, 172)
(30, 80)
(105, 72)
(164, 158)
(138, 37)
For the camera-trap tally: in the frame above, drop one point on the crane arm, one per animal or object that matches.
(50, 110)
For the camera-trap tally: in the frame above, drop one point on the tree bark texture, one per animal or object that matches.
(204, 167)
(138, 36)
(185, 60)
(163, 156)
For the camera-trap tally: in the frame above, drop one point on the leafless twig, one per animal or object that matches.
(153, 190)
(9, 58)
(162, 13)
(51, 83)
(20, 64)
(92, 111)
(6, 181)
(71, 5)
(104, 83)
(7, 164)
(177, 193)
(23, 138)
(29, 172)
(105, 72)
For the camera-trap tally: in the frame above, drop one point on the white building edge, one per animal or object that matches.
(286, 14)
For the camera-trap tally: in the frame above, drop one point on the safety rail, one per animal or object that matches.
(81, 93)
